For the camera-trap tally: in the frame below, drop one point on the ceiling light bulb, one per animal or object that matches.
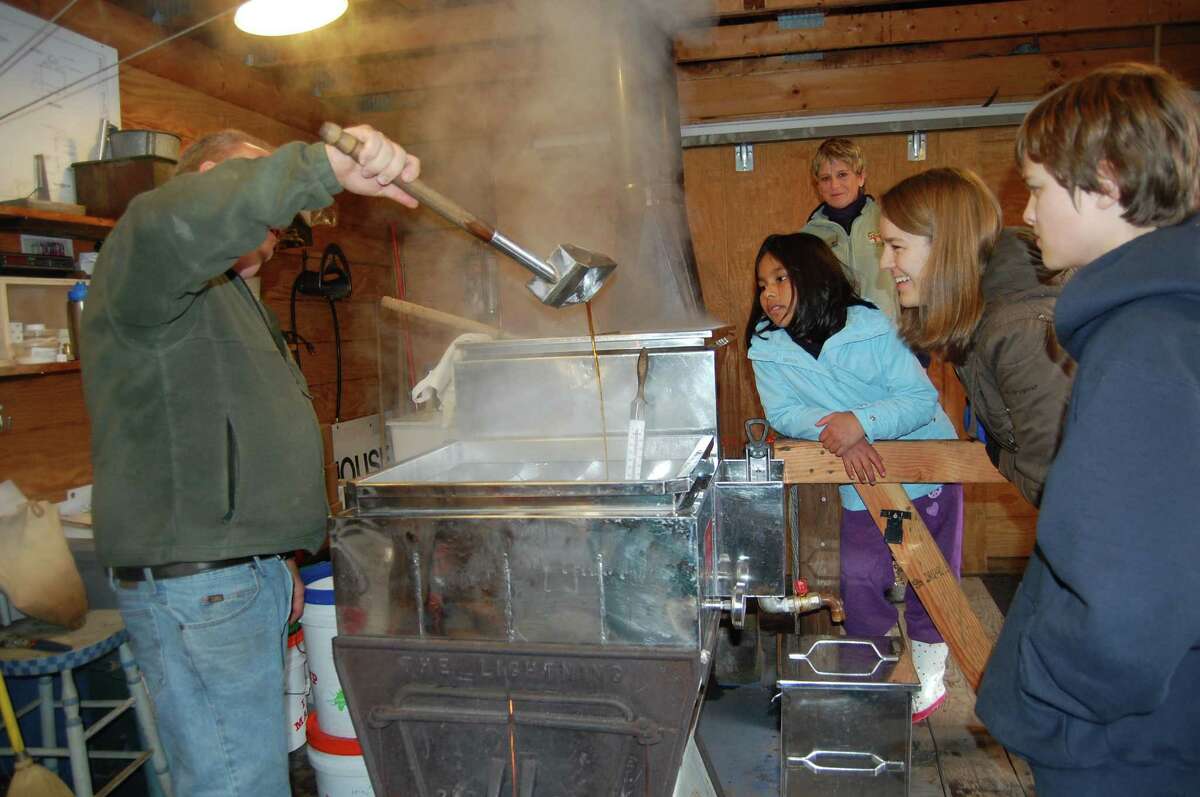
(287, 17)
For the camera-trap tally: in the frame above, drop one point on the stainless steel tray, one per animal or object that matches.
(539, 468)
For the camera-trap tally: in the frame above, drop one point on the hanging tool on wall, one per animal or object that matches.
(331, 282)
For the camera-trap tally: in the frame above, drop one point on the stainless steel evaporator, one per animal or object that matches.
(504, 606)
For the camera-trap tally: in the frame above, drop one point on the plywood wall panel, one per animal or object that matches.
(45, 448)
(360, 397)
(154, 103)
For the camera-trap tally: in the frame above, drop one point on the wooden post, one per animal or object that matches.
(439, 317)
(930, 575)
(934, 461)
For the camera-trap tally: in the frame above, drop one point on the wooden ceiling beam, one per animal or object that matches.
(355, 36)
(752, 8)
(183, 61)
(920, 25)
(416, 72)
(414, 79)
(805, 91)
(943, 51)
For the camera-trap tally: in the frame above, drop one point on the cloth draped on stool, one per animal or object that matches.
(37, 571)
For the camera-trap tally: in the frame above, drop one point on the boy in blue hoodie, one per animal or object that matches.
(1095, 674)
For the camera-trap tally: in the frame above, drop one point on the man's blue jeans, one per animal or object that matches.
(211, 646)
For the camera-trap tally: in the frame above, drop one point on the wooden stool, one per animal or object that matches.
(101, 634)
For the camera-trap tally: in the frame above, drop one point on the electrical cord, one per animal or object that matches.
(335, 265)
(337, 347)
(330, 282)
(293, 336)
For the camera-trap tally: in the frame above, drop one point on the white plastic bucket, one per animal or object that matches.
(320, 627)
(295, 689)
(338, 764)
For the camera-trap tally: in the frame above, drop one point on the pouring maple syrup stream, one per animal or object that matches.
(599, 386)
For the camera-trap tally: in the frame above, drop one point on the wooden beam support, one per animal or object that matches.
(749, 8)
(923, 461)
(517, 62)
(964, 82)
(1048, 44)
(906, 461)
(440, 317)
(183, 61)
(512, 62)
(922, 25)
(930, 575)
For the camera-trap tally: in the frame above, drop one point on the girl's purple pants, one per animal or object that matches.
(867, 566)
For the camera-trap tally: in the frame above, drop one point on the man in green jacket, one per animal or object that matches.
(848, 220)
(207, 455)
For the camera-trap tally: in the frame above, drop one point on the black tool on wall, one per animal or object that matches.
(331, 281)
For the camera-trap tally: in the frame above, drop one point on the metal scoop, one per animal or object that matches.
(569, 276)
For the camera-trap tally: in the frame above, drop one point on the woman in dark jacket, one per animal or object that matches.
(976, 300)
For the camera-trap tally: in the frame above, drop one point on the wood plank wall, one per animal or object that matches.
(44, 447)
(47, 451)
(730, 213)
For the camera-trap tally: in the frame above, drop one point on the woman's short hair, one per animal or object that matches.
(216, 147)
(838, 149)
(1132, 123)
(954, 209)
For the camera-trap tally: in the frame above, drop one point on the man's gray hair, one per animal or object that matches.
(216, 147)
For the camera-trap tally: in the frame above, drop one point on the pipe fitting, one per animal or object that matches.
(802, 604)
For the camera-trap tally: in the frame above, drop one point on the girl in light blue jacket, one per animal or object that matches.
(829, 366)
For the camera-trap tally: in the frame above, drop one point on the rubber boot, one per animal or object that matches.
(929, 660)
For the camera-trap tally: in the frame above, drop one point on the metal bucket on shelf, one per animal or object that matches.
(137, 143)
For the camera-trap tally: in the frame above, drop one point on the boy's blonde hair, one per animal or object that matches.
(838, 149)
(1133, 123)
(961, 217)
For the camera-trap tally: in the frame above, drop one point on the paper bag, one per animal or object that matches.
(37, 571)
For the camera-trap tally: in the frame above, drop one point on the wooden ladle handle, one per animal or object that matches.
(447, 208)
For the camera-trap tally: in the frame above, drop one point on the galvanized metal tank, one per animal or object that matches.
(512, 612)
